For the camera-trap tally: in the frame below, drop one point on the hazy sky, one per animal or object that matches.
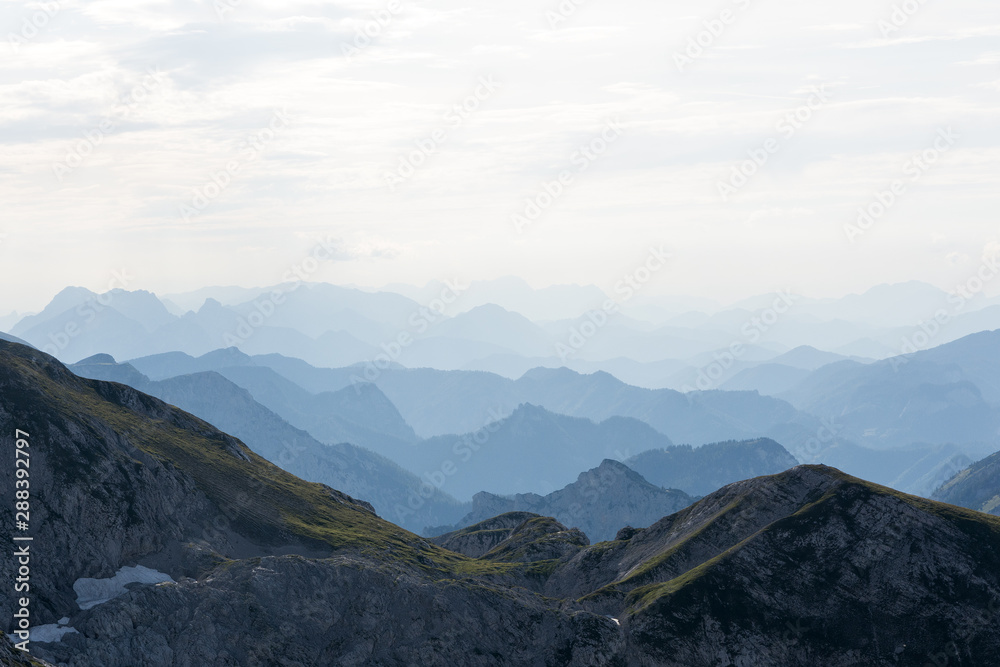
(116, 114)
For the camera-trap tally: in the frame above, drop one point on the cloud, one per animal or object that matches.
(988, 58)
(355, 116)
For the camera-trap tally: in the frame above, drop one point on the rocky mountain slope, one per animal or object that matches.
(808, 567)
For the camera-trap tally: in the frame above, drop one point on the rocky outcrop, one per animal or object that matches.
(516, 537)
(474, 541)
(539, 539)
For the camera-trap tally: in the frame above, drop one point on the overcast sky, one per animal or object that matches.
(116, 114)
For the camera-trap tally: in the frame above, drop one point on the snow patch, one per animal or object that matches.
(92, 592)
(52, 632)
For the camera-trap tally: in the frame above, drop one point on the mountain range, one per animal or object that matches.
(504, 327)
(353, 438)
(808, 566)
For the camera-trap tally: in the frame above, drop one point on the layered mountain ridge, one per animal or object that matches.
(808, 566)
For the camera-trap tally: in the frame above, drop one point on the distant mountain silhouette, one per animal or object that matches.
(600, 502)
(699, 471)
(945, 395)
(438, 402)
(531, 450)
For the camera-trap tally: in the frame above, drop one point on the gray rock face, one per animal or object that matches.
(118, 477)
(517, 537)
(599, 503)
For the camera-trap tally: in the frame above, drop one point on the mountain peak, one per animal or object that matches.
(211, 305)
(599, 502)
(231, 356)
(544, 373)
(97, 359)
